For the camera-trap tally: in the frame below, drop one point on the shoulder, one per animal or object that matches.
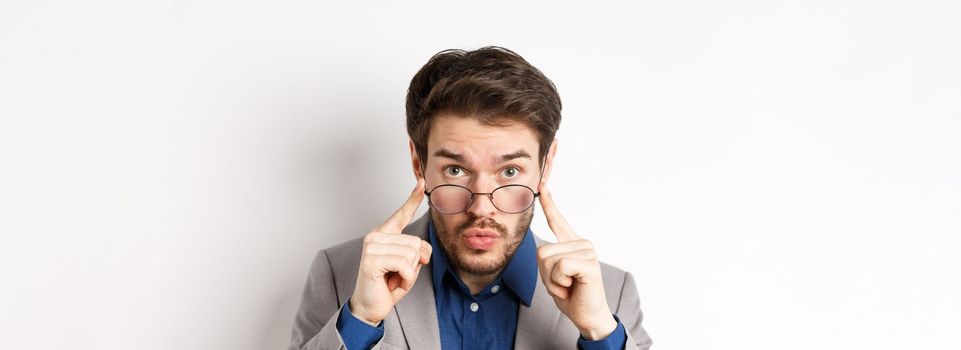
(613, 274)
(333, 273)
(342, 261)
(344, 252)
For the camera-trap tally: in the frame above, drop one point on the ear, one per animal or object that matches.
(549, 162)
(415, 160)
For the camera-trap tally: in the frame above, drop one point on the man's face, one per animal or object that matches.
(464, 152)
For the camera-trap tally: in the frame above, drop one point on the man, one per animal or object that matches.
(470, 274)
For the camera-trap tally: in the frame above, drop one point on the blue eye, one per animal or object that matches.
(453, 171)
(511, 172)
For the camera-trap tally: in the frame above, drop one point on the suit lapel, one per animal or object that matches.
(537, 323)
(416, 311)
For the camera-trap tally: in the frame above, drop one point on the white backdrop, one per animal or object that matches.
(777, 174)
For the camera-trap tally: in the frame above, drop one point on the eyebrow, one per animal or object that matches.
(446, 153)
(514, 155)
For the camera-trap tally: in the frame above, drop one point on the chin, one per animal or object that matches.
(482, 257)
(488, 264)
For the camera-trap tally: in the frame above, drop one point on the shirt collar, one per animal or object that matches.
(520, 275)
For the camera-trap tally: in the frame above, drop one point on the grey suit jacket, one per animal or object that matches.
(413, 322)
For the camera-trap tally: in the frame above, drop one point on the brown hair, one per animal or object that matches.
(492, 84)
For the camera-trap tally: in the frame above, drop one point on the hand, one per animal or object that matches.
(389, 264)
(572, 274)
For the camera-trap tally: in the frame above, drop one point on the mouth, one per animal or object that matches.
(480, 239)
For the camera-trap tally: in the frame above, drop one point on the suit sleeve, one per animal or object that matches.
(315, 326)
(629, 313)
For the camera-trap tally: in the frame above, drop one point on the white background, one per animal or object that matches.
(776, 174)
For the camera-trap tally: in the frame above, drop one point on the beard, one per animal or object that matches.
(461, 257)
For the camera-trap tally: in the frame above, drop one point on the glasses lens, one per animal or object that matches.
(450, 199)
(513, 198)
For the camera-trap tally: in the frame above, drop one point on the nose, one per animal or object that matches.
(482, 206)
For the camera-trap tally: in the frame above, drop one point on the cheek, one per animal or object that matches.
(452, 222)
(511, 225)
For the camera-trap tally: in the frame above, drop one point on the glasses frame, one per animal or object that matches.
(490, 195)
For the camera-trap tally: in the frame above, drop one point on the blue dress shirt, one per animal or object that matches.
(487, 320)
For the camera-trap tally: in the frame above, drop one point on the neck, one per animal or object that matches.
(476, 283)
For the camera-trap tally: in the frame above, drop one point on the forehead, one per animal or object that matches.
(477, 141)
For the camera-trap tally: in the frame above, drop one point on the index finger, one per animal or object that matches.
(401, 217)
(555, 220)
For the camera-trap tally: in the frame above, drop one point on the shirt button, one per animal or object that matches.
(495, 289)
(474, 307)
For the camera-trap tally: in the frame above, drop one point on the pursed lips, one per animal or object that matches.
(480, 239)
(476, 232)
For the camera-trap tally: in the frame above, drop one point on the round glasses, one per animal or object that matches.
(455, 199)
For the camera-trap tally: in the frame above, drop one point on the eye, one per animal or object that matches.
(454, 171)
(511, 172)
